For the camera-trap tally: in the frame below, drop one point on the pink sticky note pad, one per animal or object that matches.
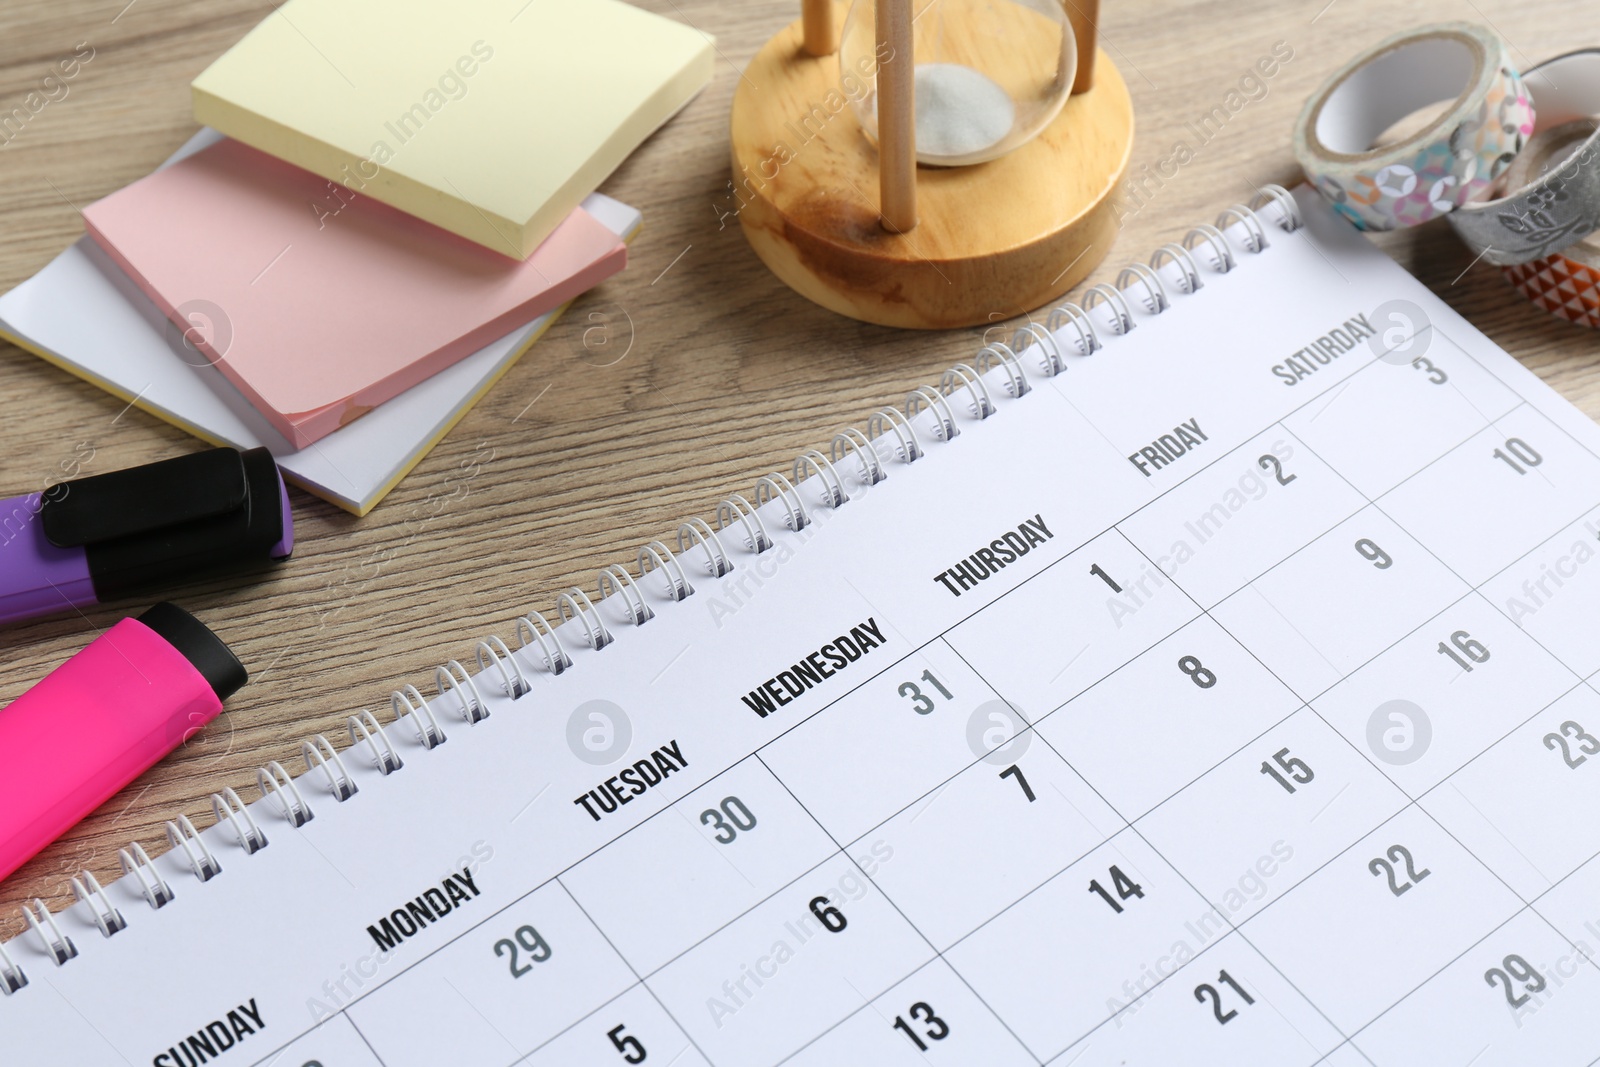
(320, 303)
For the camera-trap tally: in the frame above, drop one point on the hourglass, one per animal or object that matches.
(931, 163)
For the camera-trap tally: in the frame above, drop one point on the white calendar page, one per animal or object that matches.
(1276, 744)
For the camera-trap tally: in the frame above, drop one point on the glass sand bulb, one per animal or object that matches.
(990, 74)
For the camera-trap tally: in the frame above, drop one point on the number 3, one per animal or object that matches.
(1435, 375)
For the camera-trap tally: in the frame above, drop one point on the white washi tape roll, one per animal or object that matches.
(1552, 190)
(1453, 159)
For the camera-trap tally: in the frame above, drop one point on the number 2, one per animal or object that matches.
(1515, 969)
(1588, 744)
(1270, 462)
(1205, 991)
(530, 941)
(1398, 854)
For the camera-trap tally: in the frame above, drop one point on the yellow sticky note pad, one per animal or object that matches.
(490, 118)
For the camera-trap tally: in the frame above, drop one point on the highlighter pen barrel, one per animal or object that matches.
(101, 719)
(36, 577)
(141, 531)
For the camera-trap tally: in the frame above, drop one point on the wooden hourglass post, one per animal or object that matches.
(821, 37)
(897, 131)
(1085, 18)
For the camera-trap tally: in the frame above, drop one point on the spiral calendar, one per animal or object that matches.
(1205, 673)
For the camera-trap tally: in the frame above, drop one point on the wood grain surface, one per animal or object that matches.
(688, 376)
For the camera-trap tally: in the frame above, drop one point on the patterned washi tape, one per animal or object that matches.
(1548, 207)
(1563, 283)
(1453, 159)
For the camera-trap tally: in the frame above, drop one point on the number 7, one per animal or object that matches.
(1014, 771)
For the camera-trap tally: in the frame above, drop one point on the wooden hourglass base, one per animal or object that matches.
(994, 239)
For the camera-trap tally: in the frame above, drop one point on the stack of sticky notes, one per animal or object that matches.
(402, 201)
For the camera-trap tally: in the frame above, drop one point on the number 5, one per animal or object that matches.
(630, 1047)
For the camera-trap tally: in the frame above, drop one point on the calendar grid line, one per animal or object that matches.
(353, 1025)
(1475, 590)
(574, 1024)
(867, 1004)
(1134, 828)
(635, 972)
(1411, 801)
(901, 912)
(1489, 371)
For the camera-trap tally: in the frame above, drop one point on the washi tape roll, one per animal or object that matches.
(1545, 208)
(1453, 159)
(1564, 283)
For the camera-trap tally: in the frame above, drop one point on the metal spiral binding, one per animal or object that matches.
(136, 861)
(407, 701)
(1155, 293)
(776, 485)
(833, 493)
(852, 442)
(756, 538)
(555, 660)
(1111, 296)
(319, 752)
(1218, 244)
(364, 726)
(493, 652)
(452, 677)
(1088, 336)
(57, 945)
(182, 834)
(274, 781)
(1033, 347)
(575, 605)
(616, 577)
(889, 420)
(227, 805)
(11, 976)
(945, 428)
(962, 376)
(658, 556)
(1179, 255)
(697, 532)
(1032, 337)
(1255, 233)
(86, 888)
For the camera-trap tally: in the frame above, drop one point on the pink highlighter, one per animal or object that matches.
(102, 718)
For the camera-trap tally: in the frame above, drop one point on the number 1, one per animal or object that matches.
(1103, 576)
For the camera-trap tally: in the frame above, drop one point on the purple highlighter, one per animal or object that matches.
(135, 532)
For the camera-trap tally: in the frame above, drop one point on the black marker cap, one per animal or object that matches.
(202, 648)
(146, 528)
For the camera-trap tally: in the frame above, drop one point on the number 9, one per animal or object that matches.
(1369, 550)
(1520, 969)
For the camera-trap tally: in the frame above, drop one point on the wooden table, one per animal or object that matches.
(688, 376)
